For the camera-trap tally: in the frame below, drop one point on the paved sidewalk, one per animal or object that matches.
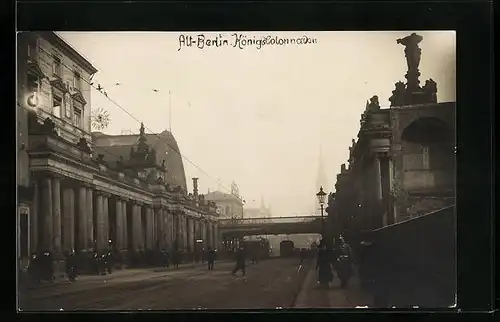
(122, 274)
(312, 296)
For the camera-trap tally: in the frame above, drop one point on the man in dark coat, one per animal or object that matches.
(240, 262)
(210, 258)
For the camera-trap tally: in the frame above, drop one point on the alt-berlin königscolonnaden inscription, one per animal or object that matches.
(241, 41)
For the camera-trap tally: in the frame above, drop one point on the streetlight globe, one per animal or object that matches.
(321, 196)
(33, 99)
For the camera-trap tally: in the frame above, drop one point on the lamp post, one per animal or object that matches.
(321, 198)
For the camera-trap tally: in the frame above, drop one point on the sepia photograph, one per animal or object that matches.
(236, 170)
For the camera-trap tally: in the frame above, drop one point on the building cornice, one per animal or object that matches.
(61, 44)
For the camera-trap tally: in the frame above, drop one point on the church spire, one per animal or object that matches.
(321, 180)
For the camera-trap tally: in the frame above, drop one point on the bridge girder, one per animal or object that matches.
(270, 229)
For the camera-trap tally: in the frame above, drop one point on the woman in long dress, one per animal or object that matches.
(324, 267)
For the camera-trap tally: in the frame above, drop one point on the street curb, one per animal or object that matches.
(302, 281)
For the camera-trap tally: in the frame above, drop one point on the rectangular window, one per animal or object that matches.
(56, 105)
(78, 116)
(56, 66)
(77, 82)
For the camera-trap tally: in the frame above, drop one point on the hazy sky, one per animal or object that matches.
(258, 116)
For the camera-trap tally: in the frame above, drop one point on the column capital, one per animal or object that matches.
(121, 198)
(102, 193)
(86, 185)
(57, 176)
(383, 155)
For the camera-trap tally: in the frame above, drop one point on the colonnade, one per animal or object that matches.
(70, 215)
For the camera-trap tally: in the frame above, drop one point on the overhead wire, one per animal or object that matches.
(101, 90)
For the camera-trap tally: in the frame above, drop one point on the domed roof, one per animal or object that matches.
(114, 146)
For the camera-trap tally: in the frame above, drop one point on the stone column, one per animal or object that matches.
(197, 229)
(47, 216)
(204, 233)
(68, 219)
(90, 218)
(191, 233)
(137, 240)
(179, 232)
(162, 231)
(125, 236)
(154, 229)
(160, 227)
(56, 215)
(171, 226)
(99, 224)
(186, 232)
(168, 229)
(34, 218)
(149, 228)
(119, 224)
(82, 218)
(378, 180)
(210, 235)
(105, 216)
(216, 235)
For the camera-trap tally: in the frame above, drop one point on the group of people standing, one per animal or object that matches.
(338, 258)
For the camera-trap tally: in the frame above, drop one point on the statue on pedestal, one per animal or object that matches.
(398, 93)
(430, 89)
(412, 51)
(374, 103)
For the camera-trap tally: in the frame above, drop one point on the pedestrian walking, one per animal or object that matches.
(176, 258)
(210, 258)
(344, 262)
(240, 262)
(324, 266)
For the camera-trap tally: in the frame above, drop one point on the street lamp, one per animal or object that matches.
(321, 198)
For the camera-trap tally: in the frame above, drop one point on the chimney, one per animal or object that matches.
(195, 186)
(342, 168)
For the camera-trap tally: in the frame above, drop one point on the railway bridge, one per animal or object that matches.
(238, 228)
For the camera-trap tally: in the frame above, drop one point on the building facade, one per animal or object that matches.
(258, 215)
(402, 164)
(76, 196)
(228, 205)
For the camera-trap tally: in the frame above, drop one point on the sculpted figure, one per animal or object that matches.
(430, 86)
(374, 103)
(397, 94)
(430, 90)
(412, 51)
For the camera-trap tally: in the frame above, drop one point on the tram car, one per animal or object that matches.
(287, 248)
(260, 248)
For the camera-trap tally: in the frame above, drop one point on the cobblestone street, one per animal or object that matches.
(269, 284)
